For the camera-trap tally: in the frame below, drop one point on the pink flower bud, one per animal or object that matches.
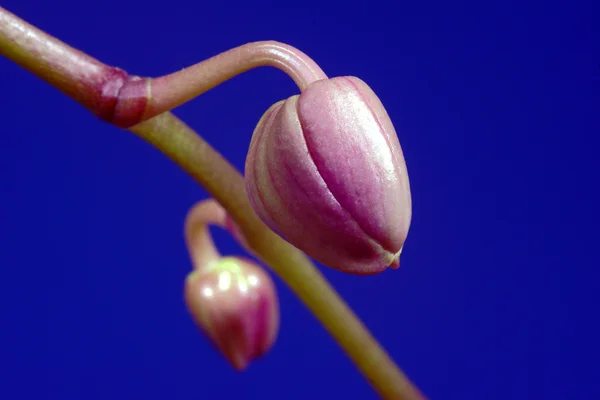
(326, 172)
(234, 302)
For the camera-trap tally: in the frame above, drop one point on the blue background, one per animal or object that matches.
(497, 109)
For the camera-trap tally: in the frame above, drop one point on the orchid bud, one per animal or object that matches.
(325, 171)
(234, 302)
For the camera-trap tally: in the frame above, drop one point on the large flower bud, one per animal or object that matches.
(234, 302)
(326, 172)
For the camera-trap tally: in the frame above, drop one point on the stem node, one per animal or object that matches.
(124, 100)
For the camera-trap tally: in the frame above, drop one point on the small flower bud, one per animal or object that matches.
(326, 172)
(235, 304)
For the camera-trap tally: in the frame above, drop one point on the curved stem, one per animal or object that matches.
(172, 90)
(198, 239)
(125, 100)
(100, 88)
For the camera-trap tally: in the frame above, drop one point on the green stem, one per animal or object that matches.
(88, 81)
(180, 143)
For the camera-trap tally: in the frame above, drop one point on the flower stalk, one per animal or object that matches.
(142, 106)
(231, 299)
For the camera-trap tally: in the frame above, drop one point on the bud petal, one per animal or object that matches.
(234, 302)
(325, 170)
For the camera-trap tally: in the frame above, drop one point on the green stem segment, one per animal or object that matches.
(125, 100)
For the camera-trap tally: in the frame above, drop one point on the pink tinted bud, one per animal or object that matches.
(326, 172)
(235, 304)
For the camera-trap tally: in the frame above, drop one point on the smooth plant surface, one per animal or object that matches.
(326, 171)
(232, 299)
(495, 297)
(142, 106)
